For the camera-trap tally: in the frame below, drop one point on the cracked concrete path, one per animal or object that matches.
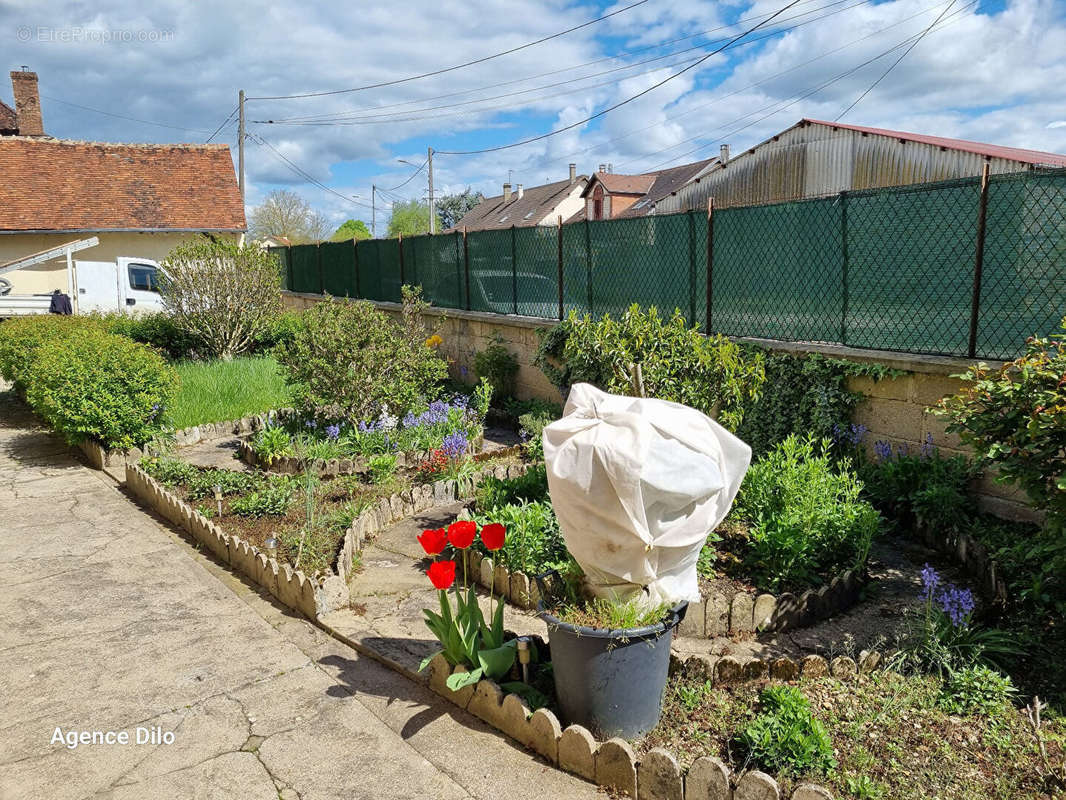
(111, 621)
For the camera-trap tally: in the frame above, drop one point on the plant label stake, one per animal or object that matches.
(218, 498)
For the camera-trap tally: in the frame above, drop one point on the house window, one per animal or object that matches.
(597, 203)
(143, 278)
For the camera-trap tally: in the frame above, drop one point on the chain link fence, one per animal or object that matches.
(959, 268)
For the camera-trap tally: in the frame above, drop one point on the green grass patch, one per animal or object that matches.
(214, 391)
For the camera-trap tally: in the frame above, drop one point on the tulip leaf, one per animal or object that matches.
(460, 680)
(534, 697)
(497, 662)
(426, 661)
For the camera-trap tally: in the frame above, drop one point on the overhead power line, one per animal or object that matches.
(621, 103)
(481, 60)
(409, 179)
(223, 124)
(122, 116)
(892, 66)
(305, 175)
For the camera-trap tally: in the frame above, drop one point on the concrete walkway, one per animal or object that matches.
(109, 621)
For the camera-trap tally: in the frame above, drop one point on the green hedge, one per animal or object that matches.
(85, 382)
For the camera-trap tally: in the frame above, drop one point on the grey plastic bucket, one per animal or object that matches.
(611, 682)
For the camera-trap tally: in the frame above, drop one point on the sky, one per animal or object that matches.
(170, 72)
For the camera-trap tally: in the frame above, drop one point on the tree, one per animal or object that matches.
(286, 214)
(351, 229)
(453, 207)
(410, 219)
(223, 294)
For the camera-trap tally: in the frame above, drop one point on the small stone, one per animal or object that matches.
(616, 766)
(814, 666)
(486, 569)
(808, 791)
(487, 702)
(514, 714)
(708, 779)
(784, 669)
(868, 661)
(501, 581)
(544, 734)
(577, 752)
(694, 621)
(700, 666)
(757, 785)
(765, 606)
(717, 623)
(742, 613)
(728, 669)
(843, 668)
(659, 777)
(518, 589)
(755, 669)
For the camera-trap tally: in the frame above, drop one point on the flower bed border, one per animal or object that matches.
(711, 617)
(313, 597)
(613, 764)
(291, 465)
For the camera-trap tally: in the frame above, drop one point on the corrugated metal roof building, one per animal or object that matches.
(815, 159)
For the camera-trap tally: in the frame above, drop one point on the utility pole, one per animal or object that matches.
(373, 212)
(432, 203)
(240, 143)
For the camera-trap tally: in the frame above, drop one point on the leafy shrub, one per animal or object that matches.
(381, 468)
(272, 499)
(785, 736)
(531, 486)
(101, 386)
(169, 471)
(272, 443)
(976, 690)
(223, 294)
(1014, 418)
(203, 483)
(499, 366)
(534, 544)
(805, 515)
(22, 337)
(280, 329)
(534, 405)
(157, 329)
(531, 428)
(801, 395)
(678, 363)
(350, 360)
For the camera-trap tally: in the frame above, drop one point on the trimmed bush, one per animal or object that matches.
(101, 386)
(22, 337)
(157, 329)
(786, 737)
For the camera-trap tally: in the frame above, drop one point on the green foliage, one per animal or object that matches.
(863, 787)
(101, 386)
(499, 366)
(531, 427)
(350, 229)
(273, 498)
(350, 360)
(157, 329)
(453, 207)
(805, 516)
(381, 468)
(212, 391)
(802, 394)
(272, 443)
(534, 405)
(785, 736)
(678, 363)
(976, 690)
(169, 471)
(612, 615)
(1015, 418)
(220, 292)
(409, 219)
(22, 337)
(534, 544)
(531, 486)
(281, 328)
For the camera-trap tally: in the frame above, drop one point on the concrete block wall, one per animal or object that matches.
(894, 409)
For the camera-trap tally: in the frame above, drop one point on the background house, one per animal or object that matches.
(815, 159)
(140, 200)
(25, 118)
(537, 205)
(610, 195)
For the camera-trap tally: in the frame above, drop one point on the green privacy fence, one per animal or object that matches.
(963, 267)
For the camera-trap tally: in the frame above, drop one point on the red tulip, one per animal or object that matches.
(461, 533)
(493, 536)
(442, 574)
(433, 541)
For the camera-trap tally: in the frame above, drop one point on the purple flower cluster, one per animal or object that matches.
(436, 413)
(852, 435)
(333, 432)
(310, 424)
(928, 448)
(956, 603)
(454, 444)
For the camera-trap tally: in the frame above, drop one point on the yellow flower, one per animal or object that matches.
(434, 341)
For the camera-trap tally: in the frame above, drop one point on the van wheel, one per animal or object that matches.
(5, 286)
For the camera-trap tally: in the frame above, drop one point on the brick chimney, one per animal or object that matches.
(507, 193)
(27, 103)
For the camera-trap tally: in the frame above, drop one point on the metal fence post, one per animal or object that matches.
(466, 267)
(355, 266)
(845, 288)
(710, 262)
(400, 245)
(458, 272)
(691, 266)
(979, 262)
(559, 237)
(288, 268)
(318, 256)
(514, 274)
(588, 264)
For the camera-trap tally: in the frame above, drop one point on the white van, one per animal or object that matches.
(126, 284)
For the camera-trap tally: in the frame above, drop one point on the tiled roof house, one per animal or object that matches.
(537, 205)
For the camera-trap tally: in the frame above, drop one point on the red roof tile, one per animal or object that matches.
(57, 185)
(8, 118)
(1037, 157)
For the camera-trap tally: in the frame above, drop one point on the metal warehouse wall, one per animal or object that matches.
(813, 160)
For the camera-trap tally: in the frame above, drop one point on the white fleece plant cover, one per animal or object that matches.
(637, 485)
